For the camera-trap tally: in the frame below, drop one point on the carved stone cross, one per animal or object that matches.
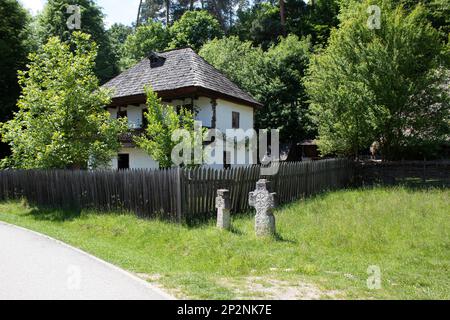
(223, 209)
(264, 203)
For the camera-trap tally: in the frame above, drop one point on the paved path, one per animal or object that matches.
(33, 266)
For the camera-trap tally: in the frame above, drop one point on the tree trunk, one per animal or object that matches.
(191, 5)
(283, 17)
(139, 14)
(167, 12)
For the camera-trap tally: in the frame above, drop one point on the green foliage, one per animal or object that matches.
(194, 29)
(15, 43)
(273, 77)
(285, 98)
(379, 85)
(240, 61)
(162, 121)
(61, 122)
(118, 34)
(13, 52)
(319, 19)
(260, 24)
(152, 36)
(53, 22)
(151, 10)
(437, 12)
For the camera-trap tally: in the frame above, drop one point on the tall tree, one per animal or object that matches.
(260, 24)
(152, 36)
(118, 34)
(61, 122)
(194, 29)
(283, 16)
(14, 48)
(274, 77)
(150, 10)
(383, 85)
(53, 22)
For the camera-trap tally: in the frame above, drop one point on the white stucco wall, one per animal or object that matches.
(139, 159)
(224, 115)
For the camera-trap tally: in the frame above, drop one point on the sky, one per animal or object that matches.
(121, 11)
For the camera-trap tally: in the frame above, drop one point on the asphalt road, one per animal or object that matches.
(36, 267)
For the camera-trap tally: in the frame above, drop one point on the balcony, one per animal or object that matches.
(127, 138)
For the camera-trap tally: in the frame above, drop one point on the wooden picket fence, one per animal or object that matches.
(173, 194)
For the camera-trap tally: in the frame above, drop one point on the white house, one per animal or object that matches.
(180, 78)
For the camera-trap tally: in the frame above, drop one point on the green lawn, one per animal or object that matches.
(323, 248)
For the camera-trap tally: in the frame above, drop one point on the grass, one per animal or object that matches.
(323, 248)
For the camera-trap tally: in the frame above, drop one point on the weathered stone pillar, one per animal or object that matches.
(264, 203)
(223, 209)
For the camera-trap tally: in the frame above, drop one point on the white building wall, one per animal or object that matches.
(139, 159)
(224, 112)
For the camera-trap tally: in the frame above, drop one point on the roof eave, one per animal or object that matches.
(183, 92)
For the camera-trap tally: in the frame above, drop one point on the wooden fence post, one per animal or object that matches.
(179, 195)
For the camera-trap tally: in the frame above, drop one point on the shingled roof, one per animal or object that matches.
(177, 73)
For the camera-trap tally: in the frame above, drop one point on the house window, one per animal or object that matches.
(123, 161)
(235, 120)
(122, 113)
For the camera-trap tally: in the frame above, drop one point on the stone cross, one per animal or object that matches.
(264, 203)
(223, 209)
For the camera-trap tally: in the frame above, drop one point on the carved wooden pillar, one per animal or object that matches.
(214, 113)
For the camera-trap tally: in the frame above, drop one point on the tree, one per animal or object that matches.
(282, 5)
(243, 63)
(224, 10)
(53, 22)
(318, 18)
(260, 24)
(118, 34)
(285, 100)
(438, 13)
(379, 84)
(61, 122)
(14, 48)
(163, 121)
(152, 36)
(274, 78)
(194, 29)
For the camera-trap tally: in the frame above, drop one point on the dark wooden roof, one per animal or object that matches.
(178, 73)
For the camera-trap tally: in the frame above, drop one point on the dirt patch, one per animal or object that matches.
(154, 279)
(275, 289)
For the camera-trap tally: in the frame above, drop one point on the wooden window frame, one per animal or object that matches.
(235, 120)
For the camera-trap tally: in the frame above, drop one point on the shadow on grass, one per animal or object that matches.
(280, 238)
(54, 215)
